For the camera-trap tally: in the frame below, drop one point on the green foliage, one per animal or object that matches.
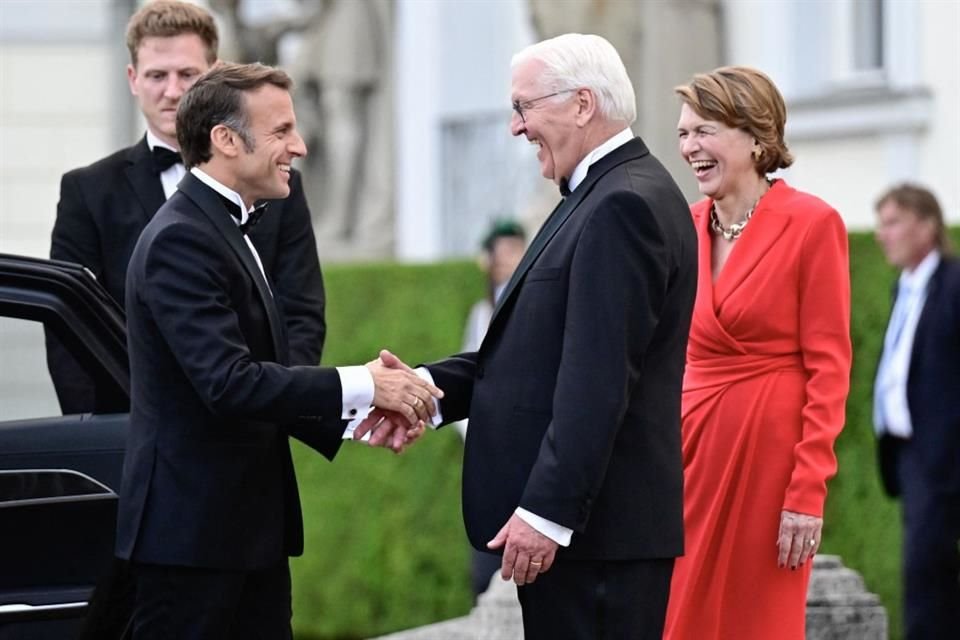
(385, 545)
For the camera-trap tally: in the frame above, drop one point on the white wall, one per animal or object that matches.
(855, 134)
(453, 59)
(46, 127)
(57, 88)
(939, 166)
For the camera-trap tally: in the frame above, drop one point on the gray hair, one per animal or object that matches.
(574, 61)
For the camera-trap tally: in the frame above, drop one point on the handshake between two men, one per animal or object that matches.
(403, 402)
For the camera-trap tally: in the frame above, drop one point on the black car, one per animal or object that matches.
(59, 474)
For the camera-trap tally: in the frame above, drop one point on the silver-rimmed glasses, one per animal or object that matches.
(521, 105)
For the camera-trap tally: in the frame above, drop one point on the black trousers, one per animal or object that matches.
(597, 600)
(931, 560)
(187, 603)
(482, 567)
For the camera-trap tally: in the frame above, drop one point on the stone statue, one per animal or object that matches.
(245, 42)
(343, 99)
(343, 74)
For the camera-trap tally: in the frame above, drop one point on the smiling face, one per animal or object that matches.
(720, 156)
(264, 171)
(166, 68)
(550, 125)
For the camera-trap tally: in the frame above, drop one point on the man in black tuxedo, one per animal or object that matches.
(572, 461)
(104, 207)
(209, 509)
(916, 407)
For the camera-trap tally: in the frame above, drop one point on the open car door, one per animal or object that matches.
(59, 474)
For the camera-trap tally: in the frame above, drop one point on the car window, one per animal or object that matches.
(26, 390)
(47, 371)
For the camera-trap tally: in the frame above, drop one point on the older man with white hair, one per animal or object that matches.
(572, 463)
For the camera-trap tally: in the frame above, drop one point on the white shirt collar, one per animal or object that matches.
(226, 192)
(580, 171)
(917, 279)
(154, 141)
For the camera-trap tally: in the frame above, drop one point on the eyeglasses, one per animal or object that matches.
(520, 107)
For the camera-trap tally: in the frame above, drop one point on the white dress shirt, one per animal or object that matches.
(580, 171)
(557, 532)
(891, 413)
(356, 383)
(173, 175)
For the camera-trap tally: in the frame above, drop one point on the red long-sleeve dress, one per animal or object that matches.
(766, 382)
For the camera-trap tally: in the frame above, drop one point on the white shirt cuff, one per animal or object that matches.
(424, 374)
(356, 385)
(556, 532)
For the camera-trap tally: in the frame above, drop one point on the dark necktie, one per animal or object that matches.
(252, 219)
(164, 158)
(564, 187)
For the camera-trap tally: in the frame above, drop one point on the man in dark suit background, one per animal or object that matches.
(917, 407)
(209, 509)
(104, 207)
(572, 460)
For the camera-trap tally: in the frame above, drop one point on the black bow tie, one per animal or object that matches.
(252, 219)
(564, 187)
(164, 158)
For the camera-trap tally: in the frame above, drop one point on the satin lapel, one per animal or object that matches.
(210, 204)
(766, 227)
(144, 180)
(629, 151)
(547, 231)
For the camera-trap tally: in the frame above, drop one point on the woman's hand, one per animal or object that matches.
(799, 538)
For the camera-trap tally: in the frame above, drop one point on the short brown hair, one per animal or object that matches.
(923, 204)
(168, 18)
(217, 97)
(743, 98)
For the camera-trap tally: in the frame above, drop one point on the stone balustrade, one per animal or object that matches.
(838, 608)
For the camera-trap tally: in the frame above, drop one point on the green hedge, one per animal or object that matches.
(385, 546)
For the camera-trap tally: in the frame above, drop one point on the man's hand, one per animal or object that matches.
(799, 538)
(388, 429)
(526, 552)
(398, 389)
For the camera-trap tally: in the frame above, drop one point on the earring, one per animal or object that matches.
(757, 153)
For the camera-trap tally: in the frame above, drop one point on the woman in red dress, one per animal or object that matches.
(767, 374)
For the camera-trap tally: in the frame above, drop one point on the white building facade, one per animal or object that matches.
(872, 89)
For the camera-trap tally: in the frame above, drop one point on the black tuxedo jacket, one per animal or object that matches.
(208, 479)
(103, 209)
(933, 382)
(574, 395)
